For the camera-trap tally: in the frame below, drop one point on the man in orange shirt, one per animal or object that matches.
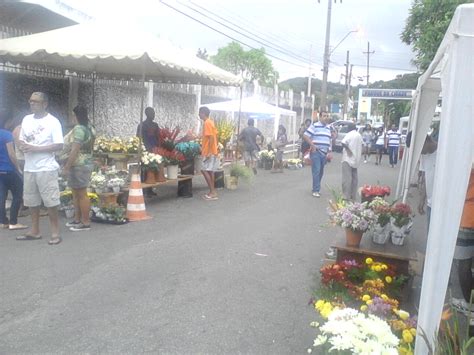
(210, 157)
(464, 252)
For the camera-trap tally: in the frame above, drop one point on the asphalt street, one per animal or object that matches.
(227, 276)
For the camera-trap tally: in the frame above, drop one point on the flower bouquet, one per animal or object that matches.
(369, 192)
(355, 217)
(98, 182)
(266, 157)
(225, 130)
(132, 145)
(190, 150)
(168, 138)
(380, 231)
(171, 157)
(151, 161)
(401, 222)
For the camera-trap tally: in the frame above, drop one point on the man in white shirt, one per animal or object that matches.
(41, 135)
(351, 157)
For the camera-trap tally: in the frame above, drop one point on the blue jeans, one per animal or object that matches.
(393, 155)
(317, 169)
(10, 180)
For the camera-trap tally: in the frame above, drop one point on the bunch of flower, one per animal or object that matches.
(115, 182)
(225, 130)
(98, 181)
(110, 145)
(151, 161)
(382, 209)
(375, 190)
(94, 199)
(132, 145)
(168, 137)
(65, 197)
(401, 214)
(348, 330)
(354, 215)
(101, 144)
(189, 149)
(172, 157)
(266, 155)
(404, 326)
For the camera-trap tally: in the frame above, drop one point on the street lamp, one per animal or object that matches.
(327, 55)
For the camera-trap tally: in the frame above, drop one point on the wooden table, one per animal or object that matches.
(185, 185)
(397, 255)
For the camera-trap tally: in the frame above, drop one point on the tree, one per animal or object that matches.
(425, 27)
(250, 65)
(202, 54)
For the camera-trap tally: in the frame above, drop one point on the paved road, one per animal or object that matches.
(227, 276)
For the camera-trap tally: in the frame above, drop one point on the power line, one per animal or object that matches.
(260, 40)
(228, 36)
(275, 40)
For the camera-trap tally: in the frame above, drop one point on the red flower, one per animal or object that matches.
(375, 190)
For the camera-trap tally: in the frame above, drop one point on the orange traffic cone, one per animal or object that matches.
(136, 203)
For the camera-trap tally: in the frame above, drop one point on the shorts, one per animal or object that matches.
(279, 155)
(250, 155)
(41, 186)
(79, 177)
(210, 163)
(379, 147)
(464, 244)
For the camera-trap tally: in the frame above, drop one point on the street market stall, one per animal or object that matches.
(450, 73)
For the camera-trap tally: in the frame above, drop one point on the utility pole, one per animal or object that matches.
(346, 94)
(368, 60)
(324, 86)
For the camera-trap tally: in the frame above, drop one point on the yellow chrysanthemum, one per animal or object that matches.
(363, 308)
(407, 337)
(369, 302)
(413, 331)
(388, 279)
(384, 267)
(384, 296)
(378, 268)
(369, 261)
(365, 298)
(319, 304)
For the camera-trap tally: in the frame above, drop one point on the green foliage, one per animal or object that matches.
(251, 64)
(241, 171)
(425, 27)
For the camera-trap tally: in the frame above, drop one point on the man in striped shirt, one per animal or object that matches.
(393, 142)
(319, 137)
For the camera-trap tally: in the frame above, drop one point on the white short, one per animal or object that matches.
(210, 163)
(41, 186)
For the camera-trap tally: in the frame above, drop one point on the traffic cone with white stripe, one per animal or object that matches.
(136, 203)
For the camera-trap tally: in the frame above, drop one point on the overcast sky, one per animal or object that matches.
(292, 31)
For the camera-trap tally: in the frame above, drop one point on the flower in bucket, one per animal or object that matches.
(266, 155)
(190, 150)
(401, 214)
(172, 157)
(353, 215)
(382, 209)
(375, 190)
(98, 181)
(115, 182)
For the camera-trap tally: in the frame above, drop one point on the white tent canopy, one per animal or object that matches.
(452, 72)
(255, 105)
(113, 52)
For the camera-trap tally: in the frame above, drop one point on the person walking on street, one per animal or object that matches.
(393, 143)
(249, 137)
(367, 137)
(10, 177)
(319, 137)
(280, 144)
(210, 157)
(351, 157)
(40, 137)
(78, 145)
(379, 145)
(304, 144)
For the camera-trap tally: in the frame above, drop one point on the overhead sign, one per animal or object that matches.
(388, 94)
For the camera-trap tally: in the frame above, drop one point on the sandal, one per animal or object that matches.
(28, 237)
(210, 198)
(55, 241)
(18, 226)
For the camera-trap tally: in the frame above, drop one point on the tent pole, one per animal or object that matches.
(93, 98)
(141, 117)
(238, 124)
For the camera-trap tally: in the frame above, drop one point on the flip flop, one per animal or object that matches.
(210, 198)
(55, 241)
(28, 237)
(14, 227)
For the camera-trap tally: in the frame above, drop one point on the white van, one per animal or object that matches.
(403, 128)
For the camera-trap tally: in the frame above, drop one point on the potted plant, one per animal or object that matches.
(401, 222)
(380, 231)
(98, 182)
(238, 171)
(151, 164)
(267, 157)
(369, 192)
(171, 160)
(65, 198)
(356, 218)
